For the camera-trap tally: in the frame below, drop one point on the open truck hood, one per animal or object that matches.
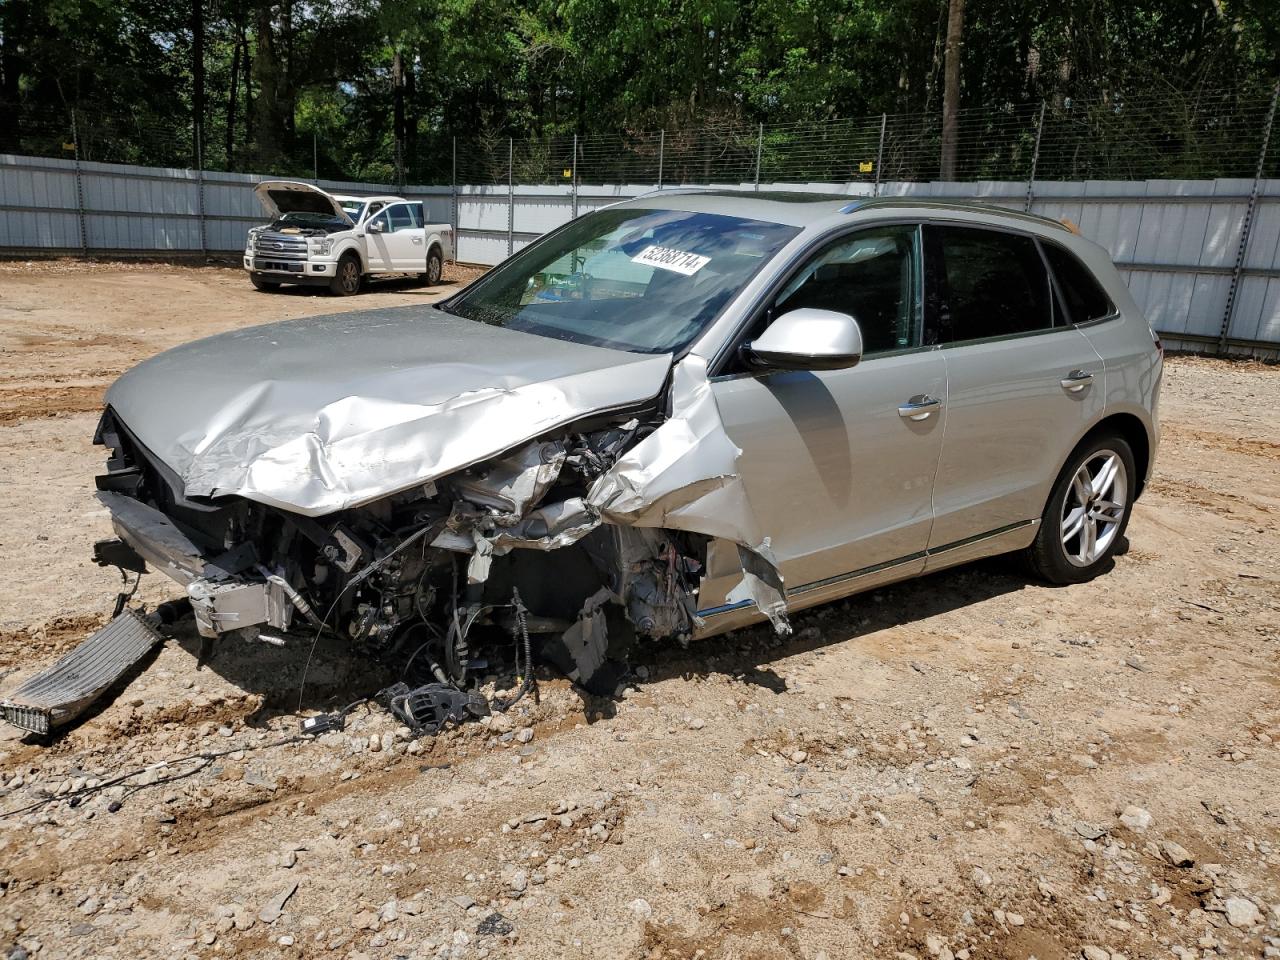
(279, 197)
(327, 413)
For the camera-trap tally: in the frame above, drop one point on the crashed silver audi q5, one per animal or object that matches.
(670, 417)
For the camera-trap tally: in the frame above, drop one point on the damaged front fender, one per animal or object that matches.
(685, 476)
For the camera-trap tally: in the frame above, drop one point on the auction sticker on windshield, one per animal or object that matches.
(666, 258)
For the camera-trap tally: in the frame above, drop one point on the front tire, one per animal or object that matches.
(266, 286)
(346, 280)
(1084, 522)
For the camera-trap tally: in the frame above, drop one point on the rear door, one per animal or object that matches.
(837, 464)
(1023, 382)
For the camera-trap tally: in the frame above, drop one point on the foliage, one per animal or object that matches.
(341, 87)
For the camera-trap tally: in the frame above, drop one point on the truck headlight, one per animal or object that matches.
(322, 247)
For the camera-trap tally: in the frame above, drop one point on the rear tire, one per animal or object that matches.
(266, 286)
(347, 279)
(1084, 522)
(435, 268)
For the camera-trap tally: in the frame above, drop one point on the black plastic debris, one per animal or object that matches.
(495, 925)
(433, 706)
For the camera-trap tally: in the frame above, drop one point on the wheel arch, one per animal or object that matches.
(1134, 432)
(354, 250)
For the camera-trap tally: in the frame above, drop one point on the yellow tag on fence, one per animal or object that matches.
(69, 147)
(567, 173)
(866, 166)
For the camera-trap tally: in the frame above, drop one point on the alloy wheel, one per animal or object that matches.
(1094, 508)
(350, 277)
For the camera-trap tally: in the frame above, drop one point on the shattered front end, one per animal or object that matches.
(588, 537)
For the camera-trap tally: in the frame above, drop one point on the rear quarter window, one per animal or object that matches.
(1085, 298)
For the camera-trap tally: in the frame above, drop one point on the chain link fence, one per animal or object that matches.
(1203, 135)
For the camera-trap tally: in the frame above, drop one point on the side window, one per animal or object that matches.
(1086, 300)
(374, 208)
(381, 219)
(872, 276)
(984, 283)
(401, 218)
(415, 210)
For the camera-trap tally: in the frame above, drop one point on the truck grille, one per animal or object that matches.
(280, 247)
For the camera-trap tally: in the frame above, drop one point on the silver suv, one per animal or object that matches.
(711, 408)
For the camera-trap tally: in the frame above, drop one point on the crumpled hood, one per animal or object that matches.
(328, 413)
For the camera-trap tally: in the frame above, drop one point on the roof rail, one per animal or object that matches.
(973, 206)
(670, 191)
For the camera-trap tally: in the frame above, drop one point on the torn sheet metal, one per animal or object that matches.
(684, 476)
(328, 413)
(510, 485)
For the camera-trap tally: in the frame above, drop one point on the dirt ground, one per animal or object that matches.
(967, 766)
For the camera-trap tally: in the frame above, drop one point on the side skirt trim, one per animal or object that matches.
(879, 567)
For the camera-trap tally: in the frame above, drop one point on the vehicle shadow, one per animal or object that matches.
(745, 654)
(306, 674)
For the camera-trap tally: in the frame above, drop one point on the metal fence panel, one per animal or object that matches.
(1176, 241)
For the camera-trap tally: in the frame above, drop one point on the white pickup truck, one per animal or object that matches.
(321, 239)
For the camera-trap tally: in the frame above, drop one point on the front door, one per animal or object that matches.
(396, 245)
(1023, 383)
(839, 464)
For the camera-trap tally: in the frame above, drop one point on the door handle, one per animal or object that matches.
(417, 239)
(919, 407)
(1076, 380)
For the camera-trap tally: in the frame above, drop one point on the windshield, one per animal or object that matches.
(352, 208)
(648, 281)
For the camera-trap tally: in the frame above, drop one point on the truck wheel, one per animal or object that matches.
(346, 282)
(435, 267)
(266, 286)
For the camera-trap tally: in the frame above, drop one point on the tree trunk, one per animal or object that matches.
(248, 86)
(11, 68)
(197, 79)
(951, 88)
(233, 94)
(397, 119)
(268, 120)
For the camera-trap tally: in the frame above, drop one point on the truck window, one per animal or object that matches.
(401, 218)
(418, 219)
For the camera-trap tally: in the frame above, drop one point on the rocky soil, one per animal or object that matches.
(971, 765)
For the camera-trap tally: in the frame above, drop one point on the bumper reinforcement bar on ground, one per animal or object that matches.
(56, 696)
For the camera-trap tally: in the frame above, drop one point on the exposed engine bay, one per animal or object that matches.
(566, 549)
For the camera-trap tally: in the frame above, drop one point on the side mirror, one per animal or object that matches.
(807, 339)
(375, 226)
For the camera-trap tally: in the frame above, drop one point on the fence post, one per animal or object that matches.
(453, 200)
(662, 150)
(759, 150)
(884, 122)
(511, 196)
(315, 159)
(75, 143)
(574, 167)
(204, 237)
(1035, 159)
(1246, 226)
